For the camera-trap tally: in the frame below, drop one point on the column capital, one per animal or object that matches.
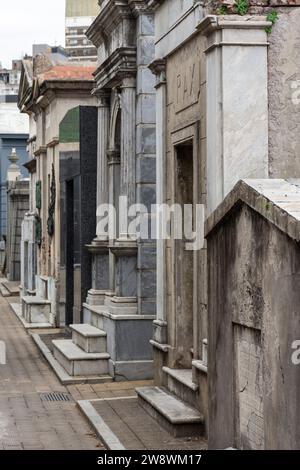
(113, 157)
(128, 82)
(140, 7)
(103, 96)
(158, 68)
(212, 23)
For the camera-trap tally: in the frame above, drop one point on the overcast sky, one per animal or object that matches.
(27, 22)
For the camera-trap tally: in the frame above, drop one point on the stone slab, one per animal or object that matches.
(109, 439)
(17, 310)
(87, 331)
(103, 311)
(176, 411)
(3, 291)
(76, 361)
(63, 376)
(9, 289)
(184, 376)
(36, 313)
(12, 287)
(34, 300)
(89, 338)
(74, 353)
(121, 423)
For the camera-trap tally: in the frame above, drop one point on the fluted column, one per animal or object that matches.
(128, 139)
(99, 246)
(102, 165)
(158, 67)
(125, 248)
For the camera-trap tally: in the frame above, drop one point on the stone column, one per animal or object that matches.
(113, 157)
(125, 247)
(99, 246)
(158, 67)
(237, 110)
(128, 144)
(102, 165)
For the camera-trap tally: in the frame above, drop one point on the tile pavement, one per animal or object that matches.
(27, 422)
(130, 427)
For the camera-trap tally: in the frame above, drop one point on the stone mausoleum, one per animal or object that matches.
(121, 302)
(47, 91)
(227, 109)
(253, 334)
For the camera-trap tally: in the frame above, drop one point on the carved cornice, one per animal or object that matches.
(212, 23)
(98, 246)
(124, 248)
(31, 165)
(121, 64)
(53, 143)
(103, 95)
(153, 4)
(110, 15)
(140, 6)
(40, 151)
(158, 68)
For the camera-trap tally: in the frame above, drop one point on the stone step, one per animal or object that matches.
(180, 383)
(183, 376)
(176, 416)
(13, 288)
(76, 361)
(35, 309)
(4, 291)
(92, 315)
(89, 338)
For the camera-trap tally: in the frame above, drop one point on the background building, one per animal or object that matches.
(13, 131)
(47, 92)
(79, 16)
(57, 54)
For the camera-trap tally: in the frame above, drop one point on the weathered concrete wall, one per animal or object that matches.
(284, 95)
(254, 294)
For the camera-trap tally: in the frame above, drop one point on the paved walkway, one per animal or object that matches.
(125, 424)
(27, 421)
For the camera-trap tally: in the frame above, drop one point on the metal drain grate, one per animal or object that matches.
(55, 397)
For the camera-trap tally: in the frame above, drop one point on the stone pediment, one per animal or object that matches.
(276, 200)
(26, 84)
(111, 15)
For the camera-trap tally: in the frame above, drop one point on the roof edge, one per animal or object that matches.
(244, 192)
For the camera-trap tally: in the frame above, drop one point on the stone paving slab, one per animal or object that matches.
(27, 422)
(9, 288)
(121, 423)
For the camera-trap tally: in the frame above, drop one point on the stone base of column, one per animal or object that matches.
(128, 340)
(123, 305)
(126, 276)
(160, 332)
(100, 272)
(96, 297)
